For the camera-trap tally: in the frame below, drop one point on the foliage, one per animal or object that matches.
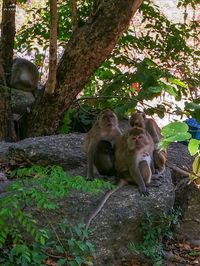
(195, 175)
(175, 131)
(23, 255)
(74, 249)
(154, 229)
(77, 120)
(165, 46)
(178, 131)
(38, 192)
(155, 53)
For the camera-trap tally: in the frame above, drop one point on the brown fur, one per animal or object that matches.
(133, 158)
(150, 125)
(100, 142)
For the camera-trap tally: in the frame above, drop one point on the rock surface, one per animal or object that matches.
(63, 150)
(187, 196)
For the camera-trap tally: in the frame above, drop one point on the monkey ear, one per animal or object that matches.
(144, 115)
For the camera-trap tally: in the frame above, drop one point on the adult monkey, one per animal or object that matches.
(100, 143)
(24, 75)
(133, 158)
(133, 164)
(139, 119)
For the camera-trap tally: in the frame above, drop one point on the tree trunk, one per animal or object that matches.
(88, 47)
(2, 75)
(7, 35)
(7, 131)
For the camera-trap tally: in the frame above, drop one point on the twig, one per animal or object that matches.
(50, 224)
(51, 255)
(119, 97)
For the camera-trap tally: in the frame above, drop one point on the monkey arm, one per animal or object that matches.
(137, 178)
(90, 161)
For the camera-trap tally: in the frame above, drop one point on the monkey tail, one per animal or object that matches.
(102, 203)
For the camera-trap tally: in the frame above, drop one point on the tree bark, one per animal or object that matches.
(7, 36)
(51, 83)
(74, 16)
(7, 131)
(88, 47)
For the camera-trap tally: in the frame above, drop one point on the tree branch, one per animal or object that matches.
(51, 83)
(74, 14)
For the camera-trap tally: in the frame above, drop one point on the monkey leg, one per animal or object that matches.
(145, 170)
(137, 177)
(90, 163)
(159, 162)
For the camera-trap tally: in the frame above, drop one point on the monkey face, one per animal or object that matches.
(107, 119)
(137, 120)
(136, 139)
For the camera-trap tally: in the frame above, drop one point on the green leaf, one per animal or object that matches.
(195, 175)
(61, 262)
(59, 249)
(193, 146)
(178, 82)
(171, 90)
(192, 106)
(174, 128)
(42, 240)
(175, 131)
(156, 89)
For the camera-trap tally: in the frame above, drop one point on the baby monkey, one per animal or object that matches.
(100, 144)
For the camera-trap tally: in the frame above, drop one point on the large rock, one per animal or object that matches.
(187, 195)
(118, 223)
(63, 150)
(188, 198)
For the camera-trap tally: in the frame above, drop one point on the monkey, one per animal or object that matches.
(140, 120)
(133, 158)
(100, 142)
(133, 164)
(150, 125)
(24, 75)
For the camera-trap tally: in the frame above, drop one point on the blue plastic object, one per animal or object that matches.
(194, 128)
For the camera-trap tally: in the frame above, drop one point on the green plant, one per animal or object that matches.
(23, 255)
(175, 131)
(153, 230)
(178, 131)
(73, 248)
(36, 188)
